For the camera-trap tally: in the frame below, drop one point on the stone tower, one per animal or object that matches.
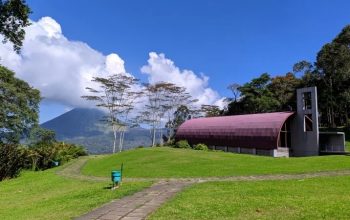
(304, 127)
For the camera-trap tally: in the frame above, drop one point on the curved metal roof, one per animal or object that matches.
(251, 131)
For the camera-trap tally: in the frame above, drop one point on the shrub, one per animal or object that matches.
(182, 144)
(171, 143)
(200, 147)
(65, 152)
(11, 161)
(42, 155)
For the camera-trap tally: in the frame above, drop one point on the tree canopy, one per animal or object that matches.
(14, 17)
(19, 107)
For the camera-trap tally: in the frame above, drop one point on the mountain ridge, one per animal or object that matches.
(85, 127)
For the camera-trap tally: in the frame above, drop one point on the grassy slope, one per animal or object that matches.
(319, 198)
(44, 195)
(169, 162)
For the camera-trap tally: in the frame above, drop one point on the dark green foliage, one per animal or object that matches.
(19, 106)
(333, 65)
(210, 110)
(182, 144)
(42, 155)
(256, 97)
(66, 151)
(283, 89)
(200, 147)
(14, 16)
(11, 161)
(39, 134)
(181, 114)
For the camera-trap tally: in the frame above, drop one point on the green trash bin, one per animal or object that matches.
(117, 176)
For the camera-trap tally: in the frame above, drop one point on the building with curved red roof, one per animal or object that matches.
(274, 134)
(260, 131)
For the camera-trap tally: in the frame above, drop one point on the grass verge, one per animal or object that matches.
(317, 198)
(170, 162)
(45, 195)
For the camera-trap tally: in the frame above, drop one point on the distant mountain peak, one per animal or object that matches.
(77, 122)
(84, 126)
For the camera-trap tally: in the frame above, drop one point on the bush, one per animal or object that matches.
(65, 152)
(11, 161)
(182, 144)
(200, 147)
(170, 143)
(42, 155)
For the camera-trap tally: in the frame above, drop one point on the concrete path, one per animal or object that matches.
(139, 205)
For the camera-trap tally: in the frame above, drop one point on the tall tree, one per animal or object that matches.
(14, 17)
(211, 110)
(116, 94)
(154, 110)
(163, 98)
(256, 96)
(234, 87)
(283, 89)
(175, 97)
(19, 107)
(333, 64)
(182, 114)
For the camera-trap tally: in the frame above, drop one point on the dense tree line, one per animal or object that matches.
(23, 144)
(330, 73)
(19, 108)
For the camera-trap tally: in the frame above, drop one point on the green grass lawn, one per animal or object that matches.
(317, 198)
(170, 162)
(45, 195)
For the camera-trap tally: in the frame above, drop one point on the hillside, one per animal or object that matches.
(85, 127)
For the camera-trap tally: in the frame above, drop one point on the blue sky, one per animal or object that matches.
(228, 41)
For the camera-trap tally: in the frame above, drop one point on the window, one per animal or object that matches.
(308, 124)
(284, 139)
(307, 100)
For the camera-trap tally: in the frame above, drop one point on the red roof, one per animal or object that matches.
(251, 131)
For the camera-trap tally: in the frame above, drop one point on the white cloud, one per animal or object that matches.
(58, 67)
(160, 68)
(61, 69)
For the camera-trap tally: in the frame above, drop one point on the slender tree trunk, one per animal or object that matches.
(153, 136)
(115, 138)
(170, 135)
(161, 136)
(34, 162)
(121, 140)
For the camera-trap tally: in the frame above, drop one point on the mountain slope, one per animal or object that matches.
(84, 127)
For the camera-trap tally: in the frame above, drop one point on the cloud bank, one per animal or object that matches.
(58, 67)
(61, 68)
(160, 68)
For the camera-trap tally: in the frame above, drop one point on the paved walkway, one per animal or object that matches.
(139, 205)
